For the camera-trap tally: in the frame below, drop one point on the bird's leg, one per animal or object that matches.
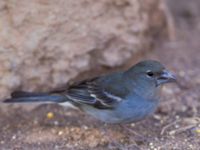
(131, 131)
(127, 128)
(113, 143)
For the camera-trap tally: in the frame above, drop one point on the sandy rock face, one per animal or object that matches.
(44, 43)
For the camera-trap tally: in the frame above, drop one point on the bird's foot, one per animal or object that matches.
(138, 138)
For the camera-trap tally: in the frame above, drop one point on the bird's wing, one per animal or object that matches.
(92, 93)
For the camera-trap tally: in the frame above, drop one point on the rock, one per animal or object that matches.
(44, 43)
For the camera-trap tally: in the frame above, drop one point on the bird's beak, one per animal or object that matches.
(166, 77)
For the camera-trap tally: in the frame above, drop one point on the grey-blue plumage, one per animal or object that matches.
(119, 97)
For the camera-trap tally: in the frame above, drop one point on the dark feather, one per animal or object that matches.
(89, 92)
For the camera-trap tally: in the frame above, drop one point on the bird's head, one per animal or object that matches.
(151, 72)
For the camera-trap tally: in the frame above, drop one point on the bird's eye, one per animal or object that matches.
(150, 74)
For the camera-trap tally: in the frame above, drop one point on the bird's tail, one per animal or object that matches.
(22, 97)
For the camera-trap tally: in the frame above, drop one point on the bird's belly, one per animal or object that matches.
(124, 113)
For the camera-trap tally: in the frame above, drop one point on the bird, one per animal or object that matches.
(120, 97)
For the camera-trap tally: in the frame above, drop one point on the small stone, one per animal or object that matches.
(85, 127)
(185, 140)
(177, 126)
(158, 117)
(60, 133)
(50, 115)
(150, 144)
(132, 125)
(14, 137)
(56, 123)
(190, 146)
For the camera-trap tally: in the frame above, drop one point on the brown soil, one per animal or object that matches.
(175, 125)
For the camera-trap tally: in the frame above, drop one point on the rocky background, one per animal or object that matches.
(45, 43)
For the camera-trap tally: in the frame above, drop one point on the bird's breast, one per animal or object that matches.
(136, 109)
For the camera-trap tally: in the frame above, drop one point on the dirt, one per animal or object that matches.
(175, 125)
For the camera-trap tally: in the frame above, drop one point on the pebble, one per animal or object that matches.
(132, 125)
(190, 146)
(14, 137)
(60, 133)
(85, 127)
(56, 123)
(50, 115)
(177, 126)
(177, 117)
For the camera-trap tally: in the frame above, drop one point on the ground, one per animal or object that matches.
(175, 125)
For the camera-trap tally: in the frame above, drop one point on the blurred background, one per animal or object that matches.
(45, 44)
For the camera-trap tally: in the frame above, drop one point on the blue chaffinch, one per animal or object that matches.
(119, 97)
